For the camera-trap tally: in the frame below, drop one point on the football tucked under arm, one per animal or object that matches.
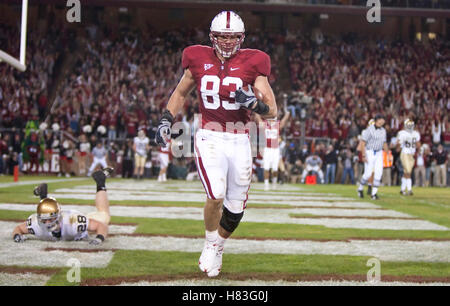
(253, 99)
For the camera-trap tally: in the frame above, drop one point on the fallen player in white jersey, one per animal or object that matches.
(50, 222)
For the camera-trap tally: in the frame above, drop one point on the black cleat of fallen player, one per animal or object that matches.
(100, 176)
(108, 171)
(361, 193)
(41, 191)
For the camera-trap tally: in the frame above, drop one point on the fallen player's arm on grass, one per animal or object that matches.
(178, 97)
(20, 229)
(98, 227)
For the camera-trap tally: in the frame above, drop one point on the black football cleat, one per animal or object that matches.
(402, 192)
(108, 171)
(100, 176)
(41, 191)
(375, 197)
(410, 193)
(369, 190)
(361, 193)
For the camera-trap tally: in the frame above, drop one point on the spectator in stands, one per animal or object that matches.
(436, 131)
(420, 170)
(127, 161)
(66, 158)
(441, 166)
(388, 160)
(347, 161)
(296, 172)
(83, 154)
(330, 162)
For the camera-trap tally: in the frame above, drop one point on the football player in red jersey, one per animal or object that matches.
(222, 147)
(272, 129)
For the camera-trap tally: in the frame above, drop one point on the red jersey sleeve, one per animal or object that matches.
(262, 64)
(187, 57)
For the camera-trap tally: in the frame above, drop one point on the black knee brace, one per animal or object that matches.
(230, 221)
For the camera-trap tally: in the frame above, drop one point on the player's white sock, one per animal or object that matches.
(409, 184)
(164, 177)
(211, 236)
(403, 184)
(221, 241)
(274, 180)
(374, 190)
(266, 182)
(361, 187)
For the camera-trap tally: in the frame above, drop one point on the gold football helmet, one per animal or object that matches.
(49, 213)
(409, 125)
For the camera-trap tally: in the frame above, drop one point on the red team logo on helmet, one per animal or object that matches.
(227, 33)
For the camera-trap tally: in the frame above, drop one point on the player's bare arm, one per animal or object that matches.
(258, 119)
(262, 83)
(363, 150)
(178, 97)
(19, 231)
(398, 145)
(176, 102)
(284, 119)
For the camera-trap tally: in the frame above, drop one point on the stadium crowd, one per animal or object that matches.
(121, 82)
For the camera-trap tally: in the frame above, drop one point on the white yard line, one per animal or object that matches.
(124, 195)
(385, 250)
(269, 215)
(23, 279)
(37, 182)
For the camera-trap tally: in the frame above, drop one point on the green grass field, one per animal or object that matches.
(427, 204)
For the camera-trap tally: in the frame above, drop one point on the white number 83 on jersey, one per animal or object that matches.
(214, 92)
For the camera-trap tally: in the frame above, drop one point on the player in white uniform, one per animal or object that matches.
(140, 148)
(408, 140)
(99, 157)
(50, 222)
(163, 157)
(313, 163)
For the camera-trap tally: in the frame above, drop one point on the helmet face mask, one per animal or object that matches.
(141, 134)
(227, 33)
(409, 125)
(51, 224)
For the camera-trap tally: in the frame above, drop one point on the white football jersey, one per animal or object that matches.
(408, 141)
(141, 145)
(74, 226)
